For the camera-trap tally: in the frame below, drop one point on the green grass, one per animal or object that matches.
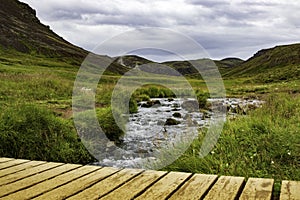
(264, 143)
(32, 132)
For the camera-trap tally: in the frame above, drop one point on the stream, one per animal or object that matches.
(164, 123)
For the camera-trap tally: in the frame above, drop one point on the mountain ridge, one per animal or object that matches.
(22, 31)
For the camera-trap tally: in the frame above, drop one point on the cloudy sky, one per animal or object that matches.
(225, 28)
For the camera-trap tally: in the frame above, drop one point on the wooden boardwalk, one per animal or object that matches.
(24, 179)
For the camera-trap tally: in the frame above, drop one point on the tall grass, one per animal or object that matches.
(32, 132)
(263, 144)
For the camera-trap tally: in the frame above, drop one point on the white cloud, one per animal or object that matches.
(224, 27)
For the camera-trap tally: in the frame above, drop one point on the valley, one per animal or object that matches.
(37, 75)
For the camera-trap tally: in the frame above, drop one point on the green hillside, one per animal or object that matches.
(22, 31)
(280, 63)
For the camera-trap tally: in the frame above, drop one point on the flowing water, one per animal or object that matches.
(147, 131)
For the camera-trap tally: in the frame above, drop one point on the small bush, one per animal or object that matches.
(202, 98)
(108, 124)
(155, 92)
(142, 97)
(133, 106)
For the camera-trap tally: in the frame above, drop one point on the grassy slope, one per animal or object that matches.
(277, 64)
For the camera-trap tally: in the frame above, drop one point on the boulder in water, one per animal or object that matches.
(177, 115)
(191, 105)
(151, 103)
(171, 122)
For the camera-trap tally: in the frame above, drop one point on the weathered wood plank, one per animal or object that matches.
(165, 186)
(28, 172)
(290, 190)
(29, 181)
(10, 163)
(258, 188)
(195, 188)
(5, 159)
(78, 184)
(50, 184)
(226, 188)
(135, 186)
(20, 167)
(107, 185)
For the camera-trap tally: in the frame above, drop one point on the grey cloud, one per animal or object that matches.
(123, 20)
(223, 27)
(209, 4)
(64, 15)
(259, 3)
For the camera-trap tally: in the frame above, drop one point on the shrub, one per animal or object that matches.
(142, 97)
(155, 92)
(108, 124)
(202, 98)
(133, 108)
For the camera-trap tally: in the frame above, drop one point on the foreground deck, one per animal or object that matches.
(24, 179)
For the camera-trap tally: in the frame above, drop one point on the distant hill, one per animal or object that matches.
(186, 68)
(131, 61)
(274, 64)
(229, 62)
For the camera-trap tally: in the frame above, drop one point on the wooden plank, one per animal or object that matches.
(50, 184)
(29, 181)
(25, 173)
(5, 159)
(107, 185)
(258, 188)
(226, 188)
(78, 184)
(165, 186)
(130, 189)
(290, 190)
(194, 188)
(20, 167)
(10, 163)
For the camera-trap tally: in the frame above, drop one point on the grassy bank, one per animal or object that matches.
(264, 143)
(32, 132)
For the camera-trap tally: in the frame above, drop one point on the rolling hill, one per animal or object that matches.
(279, 63)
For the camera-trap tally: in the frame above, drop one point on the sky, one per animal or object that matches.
(224, 28)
